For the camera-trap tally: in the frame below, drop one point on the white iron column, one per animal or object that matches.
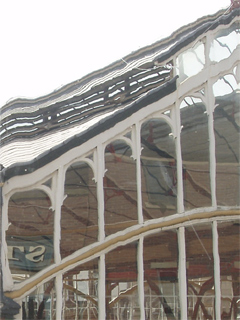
(141, 278)
(137, 144)
(212, 151)
(175, 115)
(182, 277)
(217, 285)
(58, 191)
(99, 159)
(101, 288)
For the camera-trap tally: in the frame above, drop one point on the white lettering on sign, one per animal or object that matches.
(11, 250)
(34, 254)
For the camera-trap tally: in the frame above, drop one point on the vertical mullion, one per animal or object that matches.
(58, 190)
(140, 278)
(177, 122)
(59, 292)
(99, 160)
(212, 147)
(217, 285)
(101, 288)
(182, 277)
(100, 193)
(137, 144)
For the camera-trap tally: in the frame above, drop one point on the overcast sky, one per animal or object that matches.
(46, 44)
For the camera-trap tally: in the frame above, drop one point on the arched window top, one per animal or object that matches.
(30, 233)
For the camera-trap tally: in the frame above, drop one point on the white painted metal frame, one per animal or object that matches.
(96, 146)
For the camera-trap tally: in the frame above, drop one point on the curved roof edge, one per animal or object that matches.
(99, 127)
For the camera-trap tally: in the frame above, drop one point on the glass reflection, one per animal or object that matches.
(229, 252)
(79, 218)
(161, 276)
(195, 153)
(80, 292)
(120, 187)
(227, 137)
(40, 304)
(121, 283)
(30, 234)
(48, 183)
(159, 177)
(224, 43)
(200, 272)
(191, 61)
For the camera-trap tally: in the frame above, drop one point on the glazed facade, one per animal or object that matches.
(140, 221)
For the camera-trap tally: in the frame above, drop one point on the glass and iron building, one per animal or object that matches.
(120, 191)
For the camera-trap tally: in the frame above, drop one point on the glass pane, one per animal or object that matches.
(229, 251)
(30, 234)
(80, 292)
(161, 276)
(159, 176)
(128, 135)
(200, 272)
(48, 183)
(121, 283)
(195, 153)
(41, 303)
(227, 137)
(191, 61)
(120, 187)
(224, 43)
(79, 219)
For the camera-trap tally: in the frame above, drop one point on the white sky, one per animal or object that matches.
(49, 43)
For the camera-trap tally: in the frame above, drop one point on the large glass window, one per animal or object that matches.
(229, 252)
(200, 271)
(30, 233)
(121, 283)
(79, 218)
(161, 276)
(41, 303)
(120, 187)
(227, 137)
(224, 43)
(158, 163)
(191, 61)
(80, 292)
(195, 153)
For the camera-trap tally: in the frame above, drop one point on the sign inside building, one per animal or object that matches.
(30, 253)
